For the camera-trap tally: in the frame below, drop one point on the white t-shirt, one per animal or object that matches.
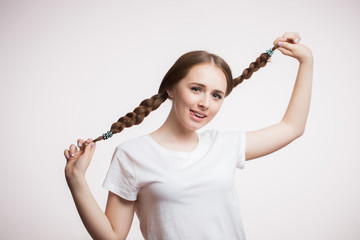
(182, 195)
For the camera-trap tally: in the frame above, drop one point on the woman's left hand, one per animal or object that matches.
(288, 44)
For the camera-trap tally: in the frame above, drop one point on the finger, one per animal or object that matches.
(286, 45)
(293, 37)
(286, 48)
(66, 154)
(279, 39)
(72, 150)
(81, 143)
(285, 51)
(90, 148)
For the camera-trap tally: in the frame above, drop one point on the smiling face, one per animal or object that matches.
(198, 97)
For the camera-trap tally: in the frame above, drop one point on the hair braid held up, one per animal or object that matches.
(176, 73)
(260, 62)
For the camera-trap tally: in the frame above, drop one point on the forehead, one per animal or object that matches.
(207, 74)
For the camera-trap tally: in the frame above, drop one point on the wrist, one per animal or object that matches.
(75, 179)
(307, 58)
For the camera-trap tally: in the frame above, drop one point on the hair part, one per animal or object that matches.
(175, 74)
(183, 65)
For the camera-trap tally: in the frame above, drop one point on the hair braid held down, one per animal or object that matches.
(138, 115)
(177, 72)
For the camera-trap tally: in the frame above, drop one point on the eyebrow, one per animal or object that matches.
(202, 85)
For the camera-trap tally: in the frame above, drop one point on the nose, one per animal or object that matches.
(204, 102)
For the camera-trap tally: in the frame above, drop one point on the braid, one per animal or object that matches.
(260, 62)
(146, 106)
(138, 115)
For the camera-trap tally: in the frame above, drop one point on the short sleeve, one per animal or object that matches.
(241, 150)
(121, 178)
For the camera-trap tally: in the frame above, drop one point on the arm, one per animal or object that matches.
(270, 139)
(116, 223)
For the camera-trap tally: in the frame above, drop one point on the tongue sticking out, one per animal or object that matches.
(197, 115)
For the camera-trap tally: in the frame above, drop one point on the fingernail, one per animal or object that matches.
(280, 44)
(79, 144)
(72, 154)
(92, 144)
(284, 38)
(297, 40)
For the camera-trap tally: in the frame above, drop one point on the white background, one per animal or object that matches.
(69, 69)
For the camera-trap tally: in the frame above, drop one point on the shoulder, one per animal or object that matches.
(223, 140)
(215, 134)
(133, 143)
(131, 150)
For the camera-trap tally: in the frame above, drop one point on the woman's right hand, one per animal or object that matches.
(78, 159)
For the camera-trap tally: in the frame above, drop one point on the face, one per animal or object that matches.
(198, 97)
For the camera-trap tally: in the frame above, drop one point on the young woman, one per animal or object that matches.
(180, 182)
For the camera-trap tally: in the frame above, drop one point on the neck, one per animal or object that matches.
(174, 131)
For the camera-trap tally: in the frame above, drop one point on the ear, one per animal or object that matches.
(170, 93)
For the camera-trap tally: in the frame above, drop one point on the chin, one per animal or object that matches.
(195, 127)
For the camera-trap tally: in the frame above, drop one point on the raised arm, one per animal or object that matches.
(270, 139)
(116, 222)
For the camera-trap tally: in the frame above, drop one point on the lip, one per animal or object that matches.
(201, 113)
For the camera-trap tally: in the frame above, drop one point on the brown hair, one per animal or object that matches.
(176, 73)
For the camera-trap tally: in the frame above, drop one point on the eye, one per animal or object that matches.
(218, 96)
(196, 89)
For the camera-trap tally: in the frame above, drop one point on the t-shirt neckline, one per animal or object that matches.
(175, 153)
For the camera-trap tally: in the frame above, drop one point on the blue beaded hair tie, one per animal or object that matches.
(270, 52)
(107, 135)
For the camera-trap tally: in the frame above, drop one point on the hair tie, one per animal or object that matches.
(270, 52)
(107, 135)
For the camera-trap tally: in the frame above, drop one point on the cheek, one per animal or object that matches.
(185, 99)
(217, 106)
